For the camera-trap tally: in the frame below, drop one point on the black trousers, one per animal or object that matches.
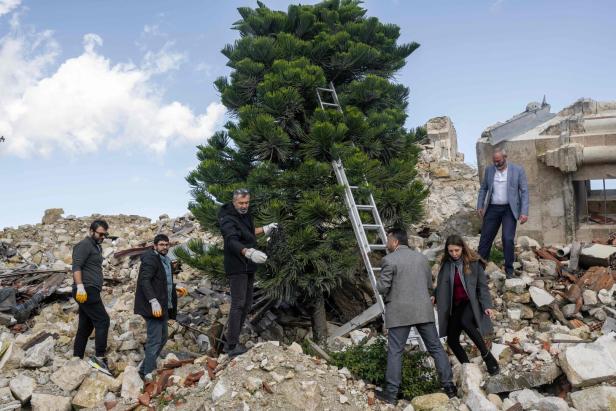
(241, 302)
(462, 319)
(92, 316)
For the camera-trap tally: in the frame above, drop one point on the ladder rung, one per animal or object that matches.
(372, 226)
(353, 187)
(377, 246)
(376, 268)
(325, 89)
(365, 207)
(330, 104)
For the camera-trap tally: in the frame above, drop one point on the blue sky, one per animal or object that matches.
(124, 139)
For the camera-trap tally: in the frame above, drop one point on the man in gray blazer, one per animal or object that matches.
(503, 200)
(406, 286)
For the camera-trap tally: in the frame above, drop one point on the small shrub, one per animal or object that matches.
(497, 256)
(369, 363)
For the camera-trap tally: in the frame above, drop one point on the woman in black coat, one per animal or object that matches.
(463, 300)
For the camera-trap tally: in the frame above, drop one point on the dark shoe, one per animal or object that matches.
(491, 364)
(450, 390)
(238, 349)
(100, 364)
(385, 397)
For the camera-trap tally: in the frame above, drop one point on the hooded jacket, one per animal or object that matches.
(238, 232)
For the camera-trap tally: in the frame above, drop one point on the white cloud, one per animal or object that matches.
(86, 102)
(6, 6)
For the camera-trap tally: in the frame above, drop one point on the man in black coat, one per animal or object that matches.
(240, 261)
(156, 299)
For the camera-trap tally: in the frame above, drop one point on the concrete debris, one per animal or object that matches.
(597, 398)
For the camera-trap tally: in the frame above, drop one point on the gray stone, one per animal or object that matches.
(91, 392)
(38, 355)
(591, 363)
(551, 404)
(131, 383)
(476, 401)
(429, 402)
(22, 387)
(527, 398)
(516, 285)
(5, 395)
(598, 398)
(540, 297)
(219, 390)
(71, 375)
(517, 380)
(52, 215)
(467, 377)
(590, 297)
(569, 310)
(47, 402)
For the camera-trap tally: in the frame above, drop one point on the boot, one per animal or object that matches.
(386, 397)
(450, 390)
(491, 363)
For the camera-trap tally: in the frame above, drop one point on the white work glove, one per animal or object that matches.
(267, 229)
(256, 256)
(157, 310)
(81, 296)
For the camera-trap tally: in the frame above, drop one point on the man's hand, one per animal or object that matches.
(480, 212)
(182, 291)
(433, 299)
(157, 310)
(489, 312)
(267, 229)
(523, 219)
(81, 296)
(255, 256)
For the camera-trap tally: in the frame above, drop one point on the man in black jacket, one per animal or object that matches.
(240, 260)
(156, 299)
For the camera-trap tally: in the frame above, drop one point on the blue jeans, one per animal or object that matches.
(157, 337)
(494, 217)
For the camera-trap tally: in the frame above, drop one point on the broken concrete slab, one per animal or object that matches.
(22, 387)
(598, 398)
(524, 379)
(597, 255)
(71, 375)
(476, 401)
(429, 402)
(47, 402)
(540, 297)
(131, 383)
(589, 364)
(91, 392)
(38, 355)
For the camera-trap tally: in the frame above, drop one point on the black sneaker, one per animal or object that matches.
(100, 364)
(385, 397)
(450, 390)
(236, 350)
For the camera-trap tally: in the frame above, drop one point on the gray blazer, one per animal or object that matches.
(476, 287)
(517, 189)
(406, 286)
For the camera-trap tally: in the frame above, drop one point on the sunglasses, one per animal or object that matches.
(105, 235)
(241, 192)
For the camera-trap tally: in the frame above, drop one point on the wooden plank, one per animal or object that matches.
(370, 314)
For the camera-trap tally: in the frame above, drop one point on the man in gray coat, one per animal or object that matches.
(406, 286)
(503, 200)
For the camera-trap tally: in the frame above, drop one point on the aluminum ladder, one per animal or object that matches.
(360, 229)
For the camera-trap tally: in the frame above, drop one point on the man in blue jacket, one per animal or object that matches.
(503, 201)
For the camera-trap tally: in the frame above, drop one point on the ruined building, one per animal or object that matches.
(570, 161)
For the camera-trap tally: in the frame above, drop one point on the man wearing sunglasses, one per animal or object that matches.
(240, 260)
(87, 287)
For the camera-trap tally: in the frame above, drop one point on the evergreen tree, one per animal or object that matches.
(281, 144)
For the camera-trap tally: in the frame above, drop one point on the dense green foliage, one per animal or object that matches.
(369, 362)
(280, 144)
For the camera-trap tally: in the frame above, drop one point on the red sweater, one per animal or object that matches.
(459, 293)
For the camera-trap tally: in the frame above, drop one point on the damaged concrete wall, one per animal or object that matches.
(576, 144)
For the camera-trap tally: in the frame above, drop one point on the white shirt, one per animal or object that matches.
(499, 187)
